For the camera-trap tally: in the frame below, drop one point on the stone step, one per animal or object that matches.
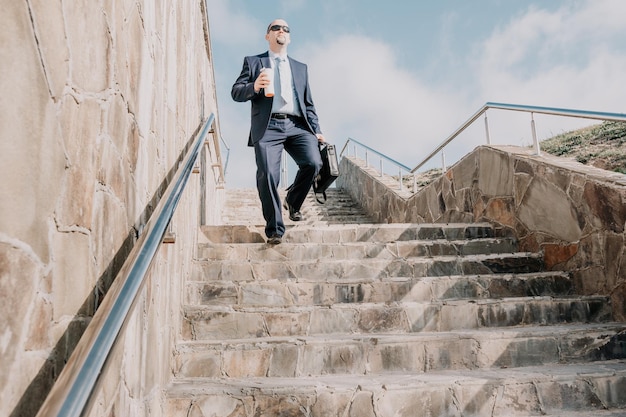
(357, 250)
(596, 413)
(310, 219)
(335, 218)
(324, 269)
(338, 208)
(310, 292)
(418, 352)
(234, 322)
(542, 390)
(343, 233)
(243, 207)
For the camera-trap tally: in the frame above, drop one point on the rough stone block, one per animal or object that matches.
(423, 317)
(451, 354)
(246, 363)
(66, 286)
(436, 401)
(459, 315)
(511, 353)
(396, 357)
(321, 359)
(517, 399)
(362, 405)
(477, 400)
(607, 205)
(215, 324)
(206, 364)
(559, 396)
(288, 406)
(284, 361)
(611, 391)
(273, 270)
(547, 209)
(288, 324)
(218, 293)
(387, 319)
(268, 294)
(331, 404)
(490, 162)
(210, 406)
(328, 321)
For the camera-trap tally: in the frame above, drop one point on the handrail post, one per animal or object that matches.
(487, 129)
(443, 162)
(381, 167)
(534, 132)
(400, 177)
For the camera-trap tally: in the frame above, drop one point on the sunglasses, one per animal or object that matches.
(276, 28)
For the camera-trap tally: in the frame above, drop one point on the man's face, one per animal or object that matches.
(277, 34)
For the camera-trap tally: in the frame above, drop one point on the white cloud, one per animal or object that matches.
(230, 26)
(291, 5)
(572, 57)
(361, 92)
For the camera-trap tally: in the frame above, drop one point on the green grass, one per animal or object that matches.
(602, 145)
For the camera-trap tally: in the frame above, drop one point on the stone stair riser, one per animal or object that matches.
(215, 323)
(285, 293)
(304, 251)
(347, 233)
(334, 218)
(376, 355)
(366, 268)
(409, 397)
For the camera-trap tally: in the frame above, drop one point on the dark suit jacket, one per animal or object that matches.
(261, 111)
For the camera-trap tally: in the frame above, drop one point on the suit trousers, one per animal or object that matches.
(292, 135)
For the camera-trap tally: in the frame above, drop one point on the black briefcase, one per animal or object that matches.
(329, 172)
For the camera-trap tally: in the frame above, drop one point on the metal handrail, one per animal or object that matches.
(401, 167)
(583, 114)
(75, 385)
(374, 151)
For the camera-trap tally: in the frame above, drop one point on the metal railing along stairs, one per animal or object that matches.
(404, 171)
(73, 389)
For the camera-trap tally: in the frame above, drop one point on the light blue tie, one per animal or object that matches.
(285, 79)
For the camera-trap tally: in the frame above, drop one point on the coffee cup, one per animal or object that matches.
(269, 90)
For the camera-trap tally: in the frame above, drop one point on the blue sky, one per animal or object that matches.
(402, 76)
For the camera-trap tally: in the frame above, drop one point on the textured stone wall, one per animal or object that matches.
(99, 100)
(573, 213)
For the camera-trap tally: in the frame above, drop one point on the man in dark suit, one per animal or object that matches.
(287, 120)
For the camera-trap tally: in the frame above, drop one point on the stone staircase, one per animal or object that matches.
(356, 319)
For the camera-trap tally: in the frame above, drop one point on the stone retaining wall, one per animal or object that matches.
(99, 100)
(573, 213)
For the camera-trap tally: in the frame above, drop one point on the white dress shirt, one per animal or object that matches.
(279, 105)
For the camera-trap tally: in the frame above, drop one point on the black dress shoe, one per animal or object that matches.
(274, 240)
(294, 214)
